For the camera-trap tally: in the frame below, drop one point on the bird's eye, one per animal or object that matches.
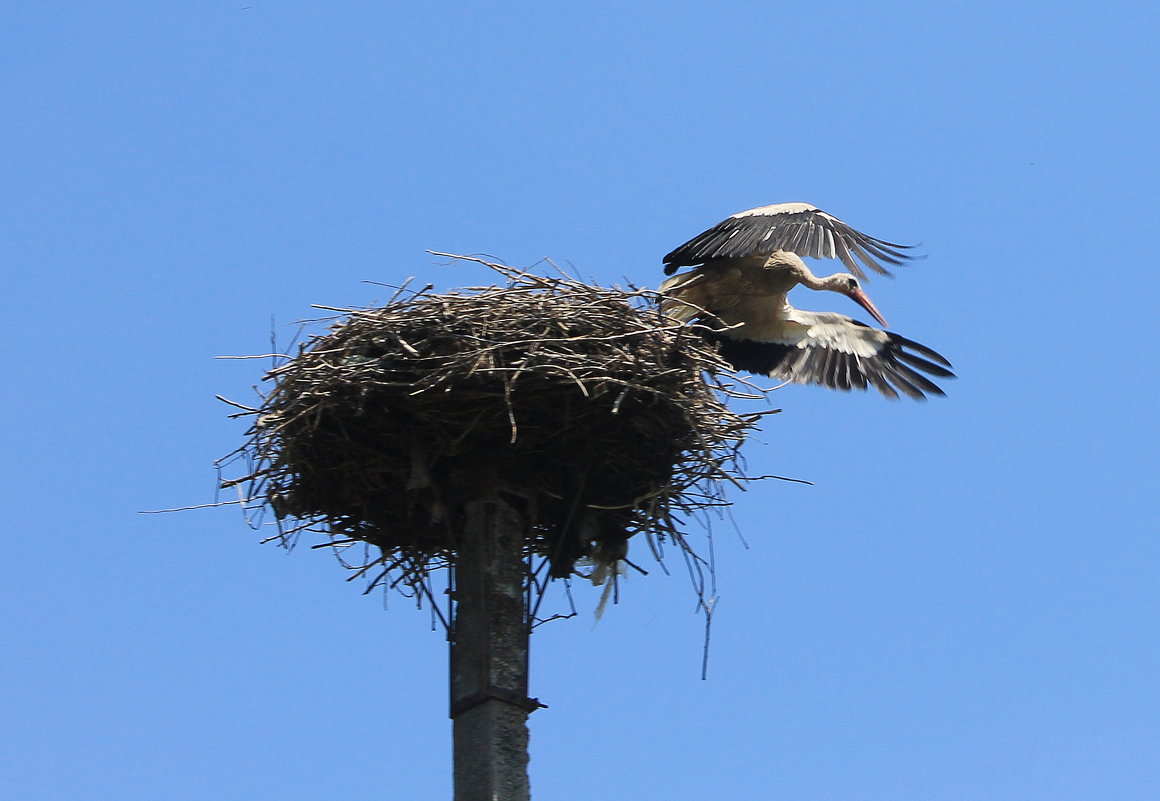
(853, 283)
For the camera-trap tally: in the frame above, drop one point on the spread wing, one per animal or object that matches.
(835, 351)
(796, 227)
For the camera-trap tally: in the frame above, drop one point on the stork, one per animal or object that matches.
(744, 267)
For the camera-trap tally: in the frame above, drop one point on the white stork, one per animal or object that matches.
(746, 265)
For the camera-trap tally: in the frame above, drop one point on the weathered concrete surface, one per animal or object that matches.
(489, 657)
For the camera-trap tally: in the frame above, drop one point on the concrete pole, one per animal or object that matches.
(489, 657)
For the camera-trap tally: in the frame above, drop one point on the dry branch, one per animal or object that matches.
(599, 417)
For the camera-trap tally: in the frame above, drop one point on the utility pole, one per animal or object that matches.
(489, 656)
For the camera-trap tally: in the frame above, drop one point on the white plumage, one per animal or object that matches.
(745, 266)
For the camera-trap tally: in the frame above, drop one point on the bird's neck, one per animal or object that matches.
(808, 279)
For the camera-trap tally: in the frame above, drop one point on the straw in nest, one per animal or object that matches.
(582, 405)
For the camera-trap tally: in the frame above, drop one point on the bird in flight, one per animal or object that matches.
(744, 267)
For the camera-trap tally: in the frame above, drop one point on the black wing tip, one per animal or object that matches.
(905, 369)
(896, 250)
(895, 245)
(893, 373)
(742, 235)
(933, 355)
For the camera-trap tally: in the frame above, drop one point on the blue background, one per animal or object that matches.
(963, 606)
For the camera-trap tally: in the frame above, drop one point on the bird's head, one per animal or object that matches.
(849, 286)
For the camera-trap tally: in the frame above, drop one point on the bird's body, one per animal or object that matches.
(738, 290)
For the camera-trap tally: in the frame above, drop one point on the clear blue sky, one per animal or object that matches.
(964, 606)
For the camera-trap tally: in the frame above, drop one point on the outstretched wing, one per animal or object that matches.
(796, 227)
(834, 351)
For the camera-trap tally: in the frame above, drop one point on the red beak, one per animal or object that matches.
(860, 298)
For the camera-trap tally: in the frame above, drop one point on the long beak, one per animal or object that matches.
(860, 298)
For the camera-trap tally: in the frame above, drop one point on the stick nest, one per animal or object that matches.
(599, 418)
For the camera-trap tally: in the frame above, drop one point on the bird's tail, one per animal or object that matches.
(684, 297)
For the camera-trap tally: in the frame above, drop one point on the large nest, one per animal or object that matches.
(585, 408)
